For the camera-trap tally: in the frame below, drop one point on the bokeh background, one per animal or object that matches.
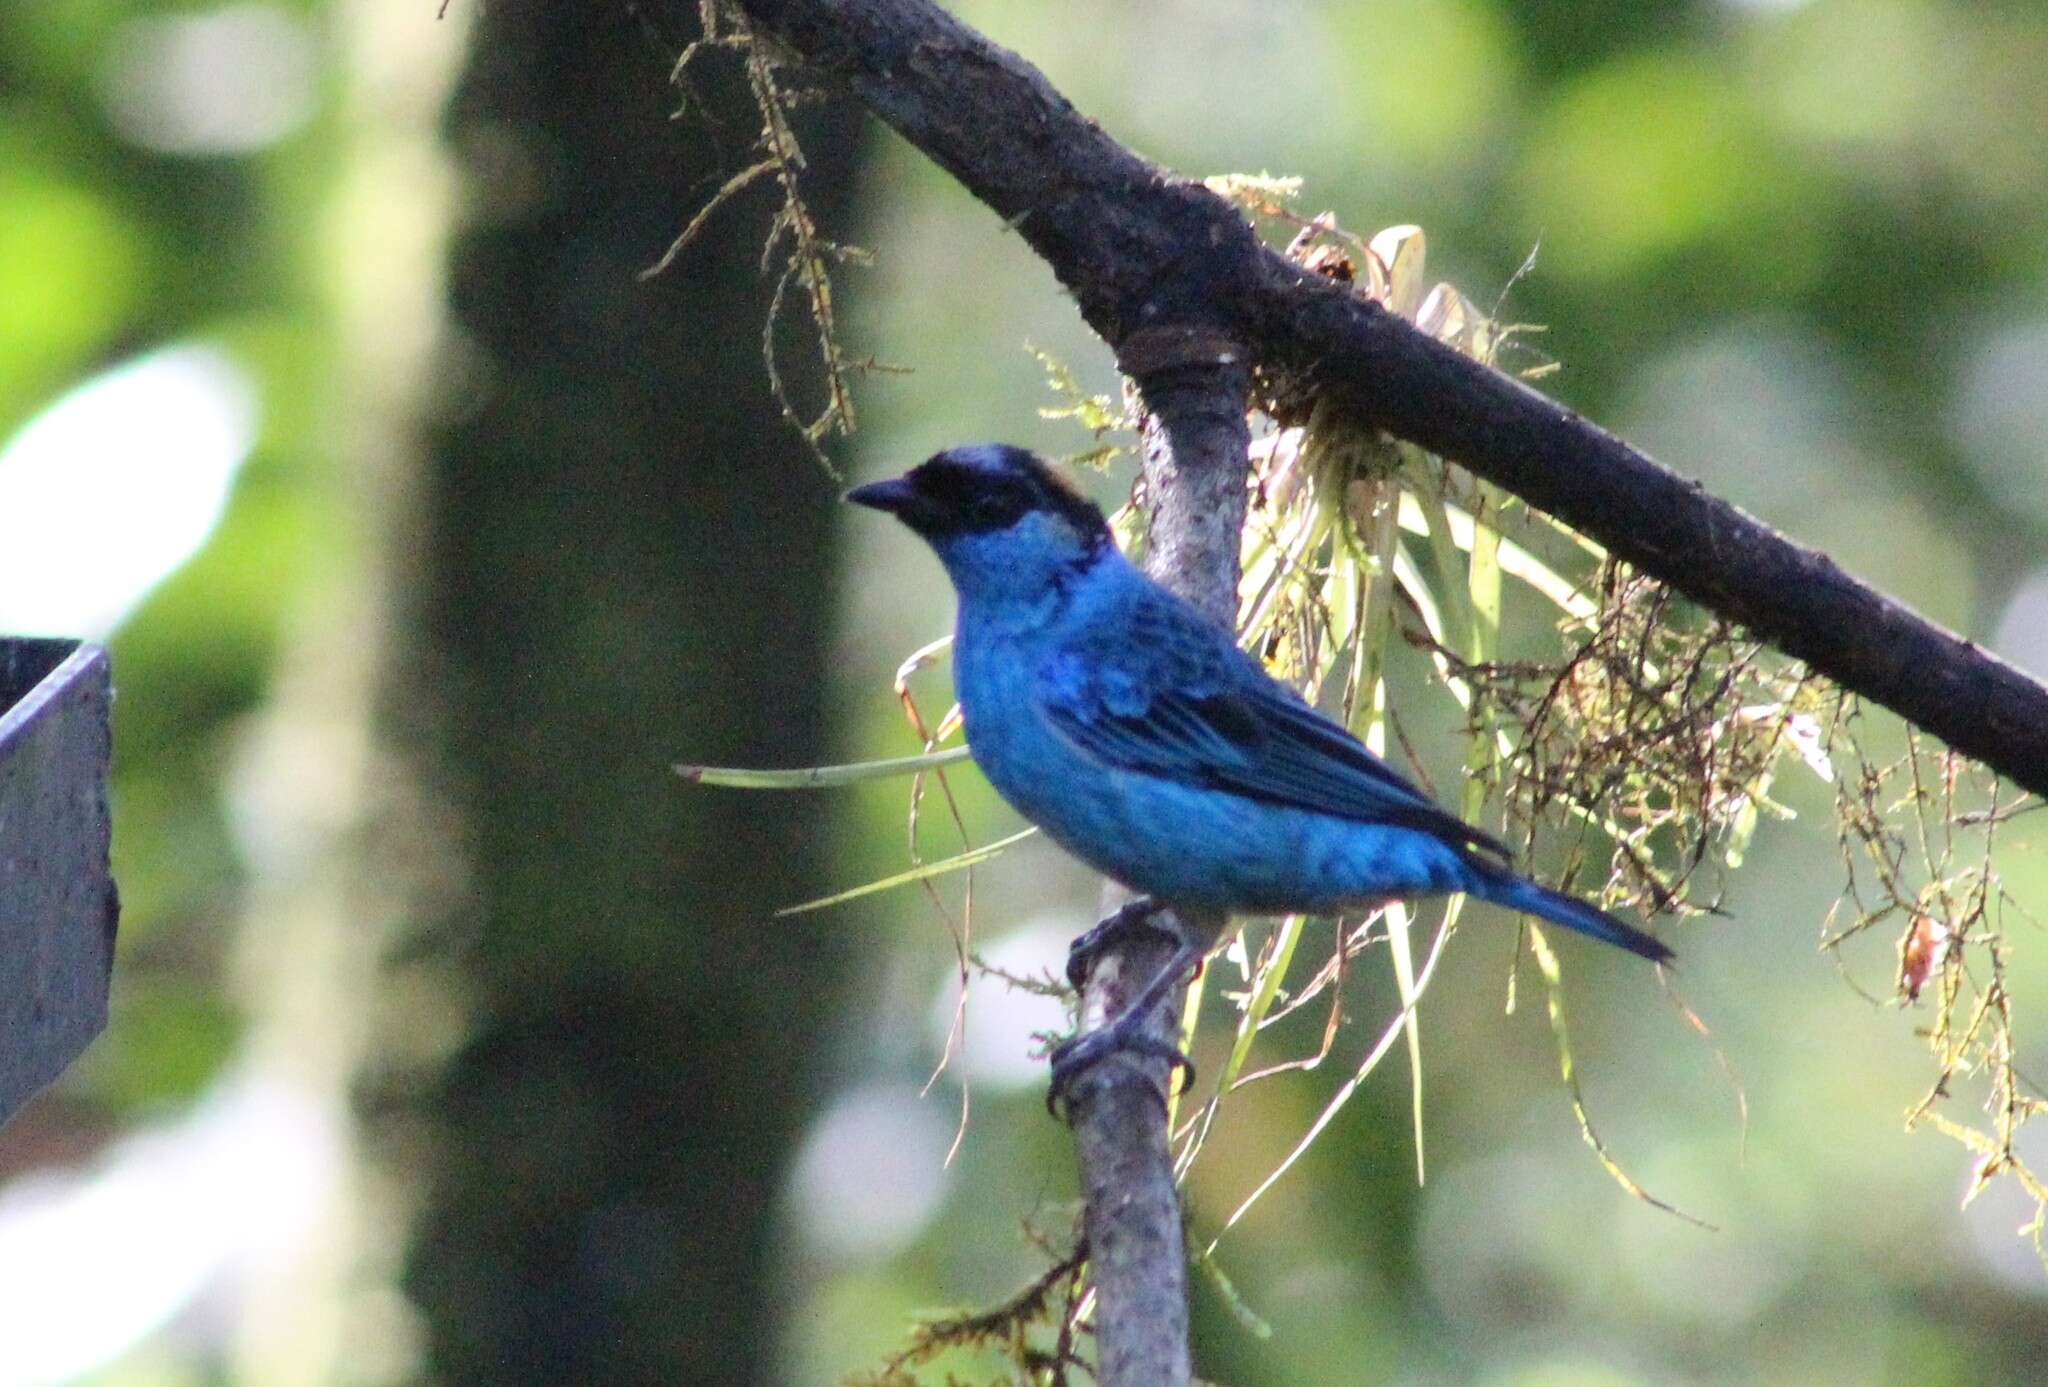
(453, 1038)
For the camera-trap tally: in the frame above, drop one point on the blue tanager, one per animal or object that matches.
(1132, 730)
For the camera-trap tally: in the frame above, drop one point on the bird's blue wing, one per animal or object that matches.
(1167, 696)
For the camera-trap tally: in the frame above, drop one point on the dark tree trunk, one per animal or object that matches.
(626, 562)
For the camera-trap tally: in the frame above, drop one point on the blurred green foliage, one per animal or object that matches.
(108, 250)
(1779, 242)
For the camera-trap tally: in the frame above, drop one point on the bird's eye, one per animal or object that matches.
(993, 511)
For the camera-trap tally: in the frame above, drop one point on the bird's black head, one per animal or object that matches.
(981, 489)
(1005, 524)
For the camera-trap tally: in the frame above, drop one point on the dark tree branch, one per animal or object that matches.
(1195, 388)
(1139, 248)
(1137, 1253)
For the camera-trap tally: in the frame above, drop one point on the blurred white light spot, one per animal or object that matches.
(222, 81)
(2022, 634)
(293, 785)
(2002, 416)
(205, 1207)
(872, 1172)
(1001, 1019)
(111, 488)
(1766, 6)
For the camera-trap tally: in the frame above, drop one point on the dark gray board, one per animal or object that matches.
(58, 905)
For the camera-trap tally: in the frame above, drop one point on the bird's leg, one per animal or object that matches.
(1127, 1032)
(1134, 917)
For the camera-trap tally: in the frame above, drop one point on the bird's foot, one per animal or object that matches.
(1071, 1058)
(1133, 918)
(1127, 1031)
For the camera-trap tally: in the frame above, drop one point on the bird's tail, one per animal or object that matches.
(1519, 893)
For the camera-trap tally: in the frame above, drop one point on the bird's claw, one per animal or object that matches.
(1138, 917)
(1127, 1032)
(1074, 1056)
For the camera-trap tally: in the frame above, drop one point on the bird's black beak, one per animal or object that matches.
(900, 497)
(895, 495)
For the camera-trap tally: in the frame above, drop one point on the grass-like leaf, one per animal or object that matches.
(1394, 1029)
(922, 872)
(1372, 638)
(1514, 560)
(821, 777)
(1553, 988)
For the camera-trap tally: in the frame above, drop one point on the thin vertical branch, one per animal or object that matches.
(1194, 385)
